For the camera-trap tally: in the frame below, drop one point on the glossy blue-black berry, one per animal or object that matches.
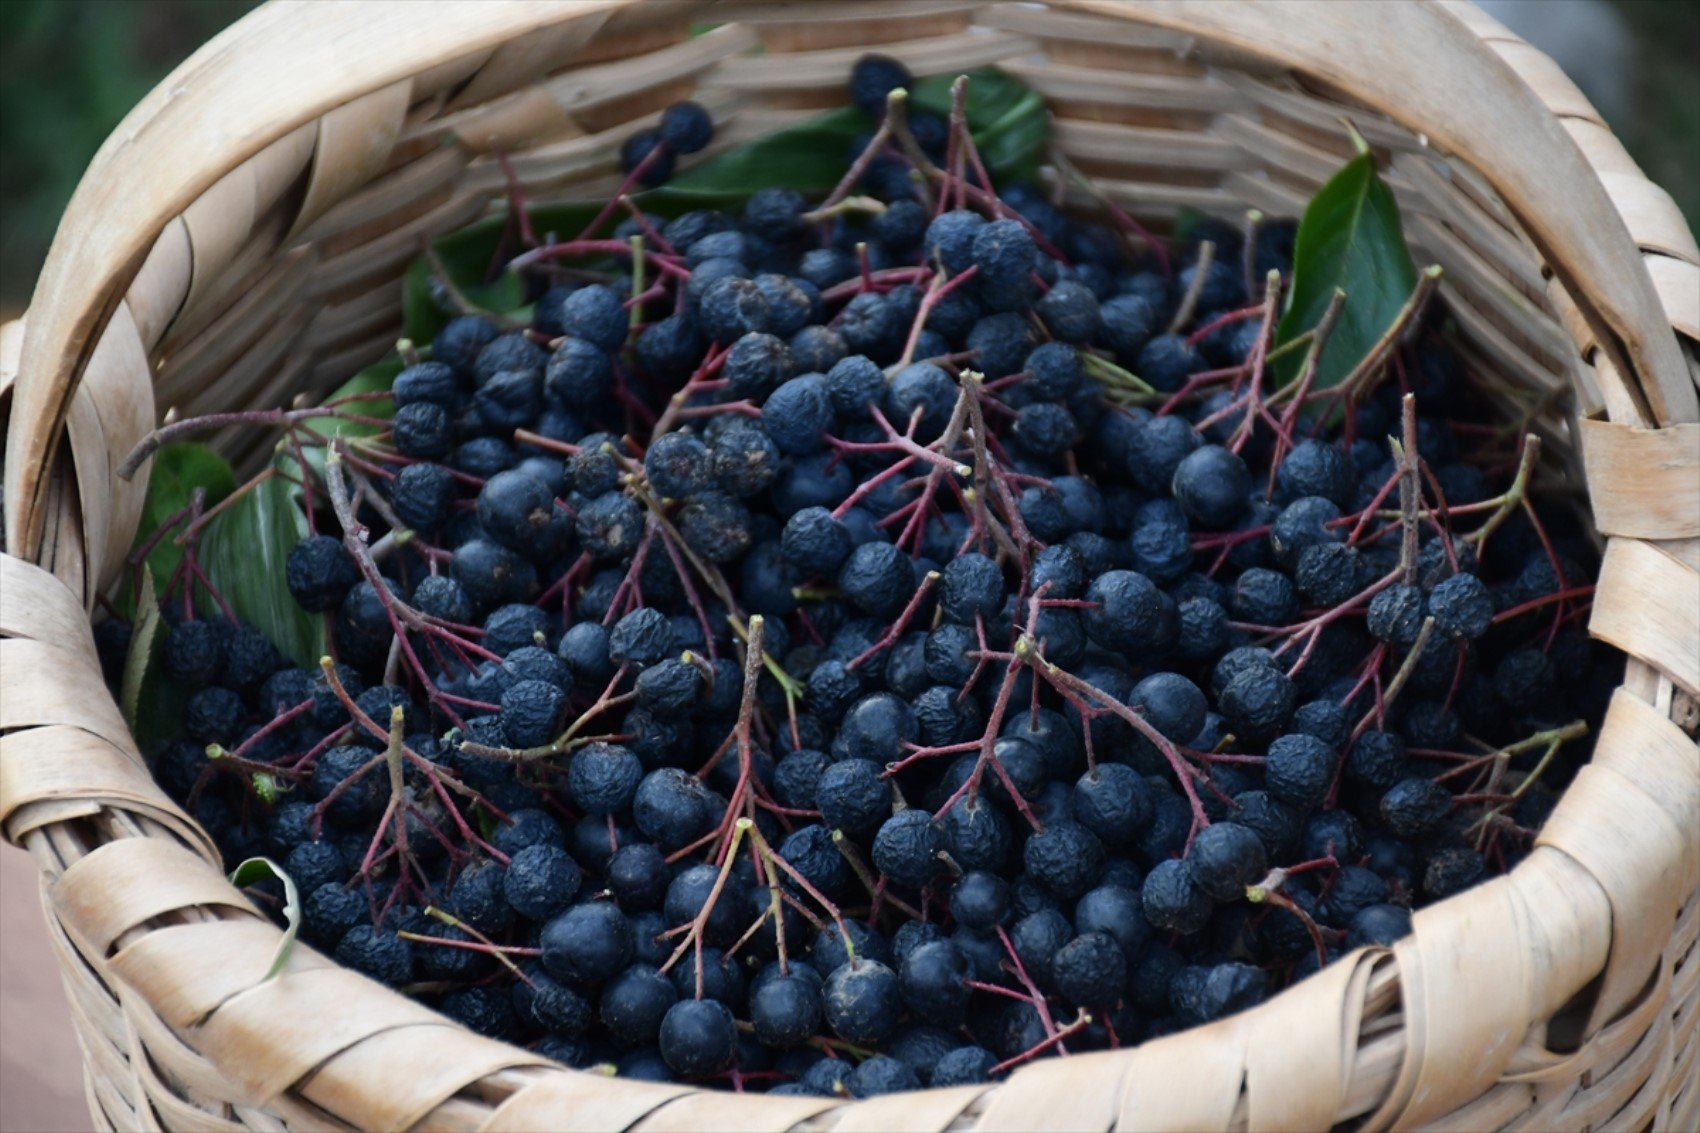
(863, 1003)
(1211, 485)
(878, 579)
(1172, 703)
(514, 509)
(644, 150)
(1224, 859)
(698, 1037)
(491, 574)
(933, 981)
(672, 807)
(588, 943)
(580, 374)
(786, 1010)
(1382, 925)
(979, 900)
(635, 1002)
(1167, 361)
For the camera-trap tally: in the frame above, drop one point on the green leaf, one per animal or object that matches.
(243, 551)
(809, 157)
(1350, 239)
(140, 655)
(258, 869)
(176, 471)
(466, 257)
(376, 378)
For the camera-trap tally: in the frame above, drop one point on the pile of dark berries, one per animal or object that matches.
(852, 645)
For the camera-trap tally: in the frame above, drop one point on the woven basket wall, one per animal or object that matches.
(240, 239)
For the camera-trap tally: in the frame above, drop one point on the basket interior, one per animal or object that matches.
(1160, 121)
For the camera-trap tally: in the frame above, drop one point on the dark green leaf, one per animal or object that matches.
(1007, 119)
(258, 869)
(1350, 239)
(375, 378)
(809, 157)
(173, 475)
(243, 550)
(140, 656)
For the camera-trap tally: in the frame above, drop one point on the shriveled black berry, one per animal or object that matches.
(1396, 614)
(964, 1066)
(686, 127)
(1377, 759)
(1090, 970)
(1173, 901)
(1299, 769)
(907, 848)
(642, 637)
(603, 778)
(318, 572)
(378, 953)
(1257, 702)
(1451, 871)
(1224, 859)
(1130, 615)
(533, 713)
(1065, 858)
(541, 881)
(1461, 606)
(1415, 807)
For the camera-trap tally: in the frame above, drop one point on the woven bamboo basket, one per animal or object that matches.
(241, 237)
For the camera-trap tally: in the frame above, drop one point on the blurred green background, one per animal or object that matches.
(70, 69)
